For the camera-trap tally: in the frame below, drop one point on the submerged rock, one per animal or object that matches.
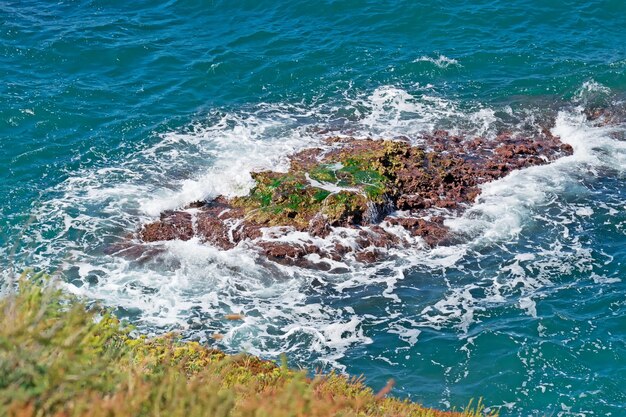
(375, 187)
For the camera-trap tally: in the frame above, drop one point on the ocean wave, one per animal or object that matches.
(441, 61)
(189, 286)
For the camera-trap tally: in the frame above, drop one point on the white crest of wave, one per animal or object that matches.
(507, 206)
(591, 87)
(393, 112)
(503, 206)
(236, 146)
(593, 145)
(188, 285)
(441, 61)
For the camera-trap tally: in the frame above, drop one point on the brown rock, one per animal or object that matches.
(281, 250)
(368, 256)
(213, 230)
(172, 225)
(319, 227)
(432, 231)
(445, 173)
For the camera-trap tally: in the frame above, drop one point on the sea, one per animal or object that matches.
(114, 111)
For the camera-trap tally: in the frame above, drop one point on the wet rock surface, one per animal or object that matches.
(381, 193)
(171, 225)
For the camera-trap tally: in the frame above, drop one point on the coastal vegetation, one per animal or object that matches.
(62, 357)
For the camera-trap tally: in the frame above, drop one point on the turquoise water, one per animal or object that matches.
(113, 111)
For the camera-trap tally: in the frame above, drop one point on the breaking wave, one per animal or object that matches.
(441, 61)
(524, 233)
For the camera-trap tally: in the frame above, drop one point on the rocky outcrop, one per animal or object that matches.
(372, 188)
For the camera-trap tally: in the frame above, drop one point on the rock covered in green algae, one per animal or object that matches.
(359, 184)
(343, 186)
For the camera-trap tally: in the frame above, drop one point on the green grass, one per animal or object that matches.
(60, 358)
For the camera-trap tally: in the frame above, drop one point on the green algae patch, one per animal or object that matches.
(320, 195)
(59, 357)
(344, 207)
(282, 199)
(369, 166)
(324, 173)
(373, 184)
(385, 157)
(352, 174)
(338, 185)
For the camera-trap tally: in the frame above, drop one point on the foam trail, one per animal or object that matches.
(189, 286)
(441, 61)
(508, 207)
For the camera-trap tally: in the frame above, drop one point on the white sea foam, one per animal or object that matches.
(190, 286)
(507, 206)
(591, 88)
(441, 61)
